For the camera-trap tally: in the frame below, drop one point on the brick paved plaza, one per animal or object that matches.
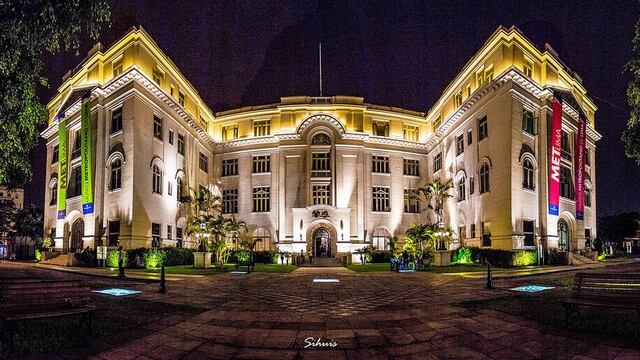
(369, 316)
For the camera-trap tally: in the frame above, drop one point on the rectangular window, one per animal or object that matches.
(181, 144)
(157, 128)
(155, 235)
(380, 199)
(587, 196)
(230, 201)
(169, 232)
(410, 132)
(462, 232)
(203, 122)
(229, 132)
(114, 232)
(528, 230)
(179, 237)
(483, 131)
(380, 164)
(262, 199)
(77, 141)
(116, 121)
(56, 154)
(486, 233)
(472, 186)
(117, 67)
(436, 123)
(460, 145)
(381, 128)
(158, 76)
(566, 183)
(169, 188)
(261, 164)
(321, 194)
(411, 167)
(473, 230)
(565, 146)
(229, 167)
(320, 164)
(170, 136)
(181, 97)
(75, 183)
(457, 99)
(480, 78)
(204, 163)
(527, 67)
(527, 121)
(468, 90)
(488, 74)
(262, 128)
(587, 156)
(411, 202)
(437, 162)
(172, 90)
(469, 137)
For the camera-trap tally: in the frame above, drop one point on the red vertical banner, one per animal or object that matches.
(555, 142)
(579, 167)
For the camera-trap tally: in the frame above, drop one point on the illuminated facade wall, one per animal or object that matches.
(333, 163)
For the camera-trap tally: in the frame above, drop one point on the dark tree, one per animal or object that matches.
(30, 221)
(631, 135)
(28, 29)
(615, 228)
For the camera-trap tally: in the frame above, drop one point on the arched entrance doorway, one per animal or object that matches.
(321, 242)
(563, 235)
(77, 232)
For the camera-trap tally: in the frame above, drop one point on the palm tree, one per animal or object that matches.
(435, 194)
(233, 226)
(204, 201)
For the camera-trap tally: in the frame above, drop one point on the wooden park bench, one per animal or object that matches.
(23, 300)
(610, 290)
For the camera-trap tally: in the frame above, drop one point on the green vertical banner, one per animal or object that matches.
(63, 155)
(86, 152)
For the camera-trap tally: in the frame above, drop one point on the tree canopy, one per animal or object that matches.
(631, 135)
(28, 29)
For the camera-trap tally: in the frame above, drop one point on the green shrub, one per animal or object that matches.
(177, 256)
(137, 258)
(154, 258)
(381, 257)
(112, 258)
(462, 255)
(525, 257)
(242, 256)
(38, 255)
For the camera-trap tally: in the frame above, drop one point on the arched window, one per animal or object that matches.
(484, 178)
(462, 189)
(563, 235)
(115, 182)
(527, 175)
(381, 239)
(157, 180)
(53, 190)
(321, 139)
(262, 239)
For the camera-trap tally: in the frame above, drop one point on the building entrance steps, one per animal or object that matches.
(322, 262)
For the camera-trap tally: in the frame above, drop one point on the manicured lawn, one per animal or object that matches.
(189, 270)
(369, 267)
(545, 309)
(274, 268)
(119, 316)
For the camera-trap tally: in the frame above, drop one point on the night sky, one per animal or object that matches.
(404, 54)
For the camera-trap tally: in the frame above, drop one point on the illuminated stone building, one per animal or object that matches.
(322, 174)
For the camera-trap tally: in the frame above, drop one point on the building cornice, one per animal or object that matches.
(133, 74)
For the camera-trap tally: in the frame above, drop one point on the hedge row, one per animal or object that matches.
(142, 258)
(506, 258)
